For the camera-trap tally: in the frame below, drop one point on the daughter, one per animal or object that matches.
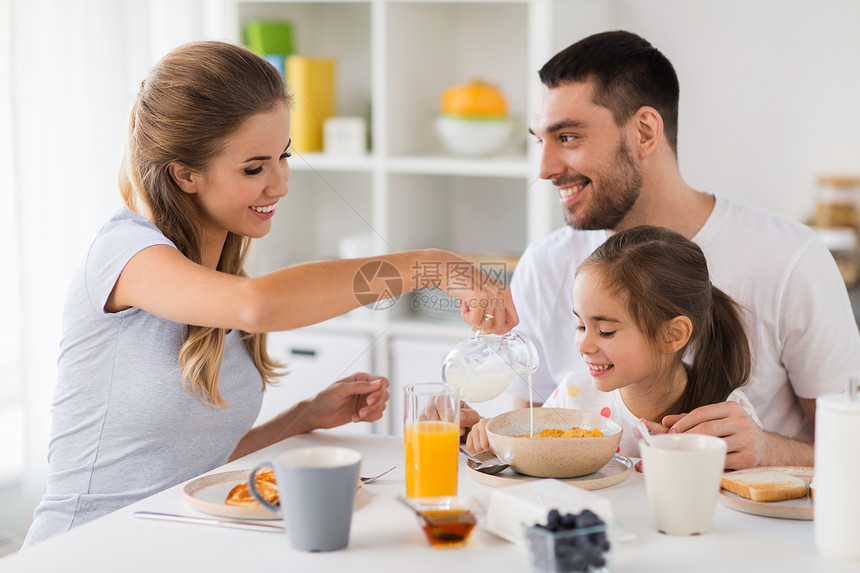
(644, 301)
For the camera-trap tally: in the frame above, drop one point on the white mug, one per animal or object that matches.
(317, 488)
(682, 477)
(837, 469)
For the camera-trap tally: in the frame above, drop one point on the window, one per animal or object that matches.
(11, 389)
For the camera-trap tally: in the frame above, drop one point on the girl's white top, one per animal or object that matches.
(577, 391)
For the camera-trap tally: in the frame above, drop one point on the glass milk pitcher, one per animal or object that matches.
(482, 366)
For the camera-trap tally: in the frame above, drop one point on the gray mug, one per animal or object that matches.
(317, 488)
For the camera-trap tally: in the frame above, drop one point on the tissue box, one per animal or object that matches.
(345, 136)
(510, 507)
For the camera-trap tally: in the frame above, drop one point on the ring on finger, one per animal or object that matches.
(489, 317)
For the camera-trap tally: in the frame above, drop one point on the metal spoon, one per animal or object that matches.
(491, 466)
(423, 517)
(376, 477)
(643, 429)
(231, 523)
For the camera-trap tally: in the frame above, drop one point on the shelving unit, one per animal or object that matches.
(394, 59)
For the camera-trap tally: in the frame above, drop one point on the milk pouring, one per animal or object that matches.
(482, 366)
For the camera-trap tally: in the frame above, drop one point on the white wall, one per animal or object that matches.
(769, 92)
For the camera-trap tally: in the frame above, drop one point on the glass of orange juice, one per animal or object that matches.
(431, 432)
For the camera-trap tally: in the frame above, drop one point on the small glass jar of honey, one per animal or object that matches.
(837, 201)
(843, 245)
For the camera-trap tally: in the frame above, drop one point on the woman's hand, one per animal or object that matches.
(485, 302)
(358, 398)
(361, 397)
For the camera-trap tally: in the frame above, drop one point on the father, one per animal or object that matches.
(607, 119)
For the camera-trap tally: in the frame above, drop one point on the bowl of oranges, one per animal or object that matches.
(474, 119)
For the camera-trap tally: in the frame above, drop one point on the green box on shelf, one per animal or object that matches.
(267, 37)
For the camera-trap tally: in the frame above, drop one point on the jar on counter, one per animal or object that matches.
(837, 201)
(842, 243)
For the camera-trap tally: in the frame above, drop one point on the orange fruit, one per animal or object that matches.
(474, 99)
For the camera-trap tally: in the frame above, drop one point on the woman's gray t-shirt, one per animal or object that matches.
(123, 426)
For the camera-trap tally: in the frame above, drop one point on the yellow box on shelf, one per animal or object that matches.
(312, 82)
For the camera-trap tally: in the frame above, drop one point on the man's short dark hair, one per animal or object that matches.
(628, 73)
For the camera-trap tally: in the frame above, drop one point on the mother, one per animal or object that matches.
(163, 356)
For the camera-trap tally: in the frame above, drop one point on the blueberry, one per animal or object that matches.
(569, 521)
(577, 553)
(598, 538)
(588, 519)
(576, 562)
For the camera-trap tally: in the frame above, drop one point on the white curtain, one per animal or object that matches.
(76, 66)
(11, 410)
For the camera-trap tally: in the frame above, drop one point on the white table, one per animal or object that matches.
(385, 535)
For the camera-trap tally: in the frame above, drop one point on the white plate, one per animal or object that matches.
(616, 470)
(800, 508)
(207, 494)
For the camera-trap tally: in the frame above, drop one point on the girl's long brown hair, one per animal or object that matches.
(197, 96)
(663, 275)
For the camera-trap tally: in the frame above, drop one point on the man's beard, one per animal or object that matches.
(620, 188)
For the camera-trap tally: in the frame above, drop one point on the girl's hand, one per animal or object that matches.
(654, 428)
(468, 418)
(477, 441)
(672, 419)
(361, 397)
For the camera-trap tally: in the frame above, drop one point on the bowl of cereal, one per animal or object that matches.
(563, 443)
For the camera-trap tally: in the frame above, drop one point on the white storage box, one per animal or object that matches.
(510, 507)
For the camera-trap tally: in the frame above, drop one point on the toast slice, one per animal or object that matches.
(766, 485)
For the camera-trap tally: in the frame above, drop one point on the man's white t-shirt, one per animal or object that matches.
(802, 332)
(577, 391)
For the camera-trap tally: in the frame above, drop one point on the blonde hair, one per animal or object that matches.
(193, 100)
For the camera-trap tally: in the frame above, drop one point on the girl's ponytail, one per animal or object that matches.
(721, 356)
